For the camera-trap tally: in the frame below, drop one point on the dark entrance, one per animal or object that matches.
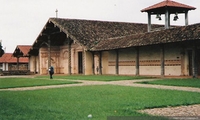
(80, 62)
(197, 62)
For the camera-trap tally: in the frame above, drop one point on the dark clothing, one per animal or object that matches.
(51, 72)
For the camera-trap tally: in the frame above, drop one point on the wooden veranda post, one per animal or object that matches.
(18, 63)
(162, 60)
(49, 51)
(182, 61)
(194, 61)
(69, 57)
(35, 65)
(100, 63)
(93, 67)
(117, 62)
(137, 62)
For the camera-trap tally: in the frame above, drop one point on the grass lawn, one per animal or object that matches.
(76, 103)
(28, 82)
(176, 82)
(95, 77)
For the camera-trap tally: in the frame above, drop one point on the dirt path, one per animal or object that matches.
(132, 83)
(181, 111)
(82, 83)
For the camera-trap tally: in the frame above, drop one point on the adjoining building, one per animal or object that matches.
(21, 51)
(15, 63)
(75, 46)
(10, 66)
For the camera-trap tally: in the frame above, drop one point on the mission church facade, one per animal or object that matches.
(88, 47)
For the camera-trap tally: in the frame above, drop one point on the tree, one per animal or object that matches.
(1, 49)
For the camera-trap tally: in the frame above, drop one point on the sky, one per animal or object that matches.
(21, 21)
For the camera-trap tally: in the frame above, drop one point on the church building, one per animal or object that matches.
(89, 47)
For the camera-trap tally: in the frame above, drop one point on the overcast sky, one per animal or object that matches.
(21, 21)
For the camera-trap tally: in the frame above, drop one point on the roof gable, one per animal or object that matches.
(22, 50)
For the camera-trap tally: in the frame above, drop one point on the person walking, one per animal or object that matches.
(51, 72)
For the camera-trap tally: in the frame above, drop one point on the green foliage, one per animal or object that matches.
(176, 82)
(1, 50)
(0, 45)
(76, 103)
(28, 82)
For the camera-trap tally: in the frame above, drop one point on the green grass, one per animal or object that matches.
(75, 103)
(28, 82)
(176, 82)
(96, 77)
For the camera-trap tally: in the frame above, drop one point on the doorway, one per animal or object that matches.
(80, 62)
(197, 61)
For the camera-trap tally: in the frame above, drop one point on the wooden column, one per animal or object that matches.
(93, 68)
(83, 59)
(162, 60)
(49, 51)
(194, 61)
(35, 65)
(100, 63)
(117, 62)
(29, 62)
(39, 62)
(18, 62)
(137, 62)
(183, 61)
(69, 57)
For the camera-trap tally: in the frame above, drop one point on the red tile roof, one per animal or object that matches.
(102, 35)
(90, 32)
(8, 58)
(22, 50)
(87, 33)
(168, 3)
(179, 34)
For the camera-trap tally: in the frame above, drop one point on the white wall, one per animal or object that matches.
(150, 60)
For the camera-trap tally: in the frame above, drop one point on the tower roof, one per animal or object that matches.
(173, 7)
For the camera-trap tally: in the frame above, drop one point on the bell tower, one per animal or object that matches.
(166, 8)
